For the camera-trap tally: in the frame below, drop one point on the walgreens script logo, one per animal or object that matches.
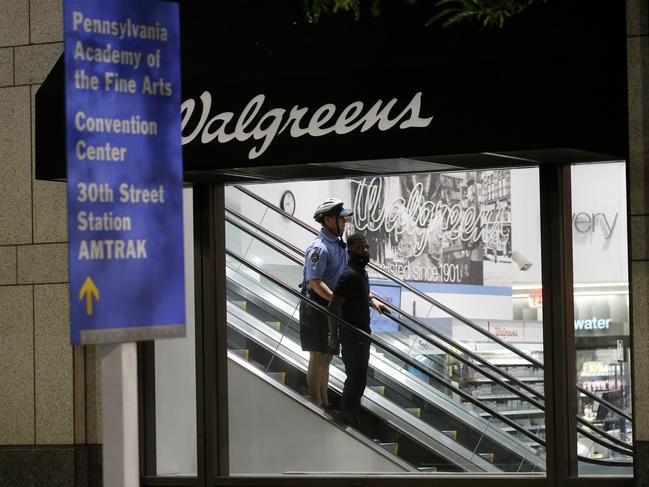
(223, 127)
(424, 220)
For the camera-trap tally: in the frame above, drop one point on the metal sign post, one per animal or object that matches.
(119, 415)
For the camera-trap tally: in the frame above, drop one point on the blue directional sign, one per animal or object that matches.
(392, 294)
(124, 155)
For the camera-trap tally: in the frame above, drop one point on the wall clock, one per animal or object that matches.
(287, 202)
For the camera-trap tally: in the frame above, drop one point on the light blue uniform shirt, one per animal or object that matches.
(325, 259)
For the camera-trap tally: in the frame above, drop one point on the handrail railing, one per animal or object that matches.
(465, 350)
(429, 329)
(388, 347)
(413, 363)
(435, 303)
(623, 448)
(407, 286)
(448, 350)
(444, 348)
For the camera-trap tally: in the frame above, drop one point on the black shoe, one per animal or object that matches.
(348, 419)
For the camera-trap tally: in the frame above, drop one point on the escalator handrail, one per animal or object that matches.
(608, 463)
(463, 349)
(605, 435)
(598, 461)
(488, 364)
(506, 383)
(388, 347)
(624, 449)
(458, 356)
(429, 437)
(428, 299)
(410, 288)
(604, 402)
(429, 329)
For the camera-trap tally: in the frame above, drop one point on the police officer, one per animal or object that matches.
(325, 260)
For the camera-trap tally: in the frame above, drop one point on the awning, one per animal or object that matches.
(289, 99)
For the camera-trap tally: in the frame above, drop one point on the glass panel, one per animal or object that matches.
(455, 373)
(425, 417)
(175, 378)
(601, 304)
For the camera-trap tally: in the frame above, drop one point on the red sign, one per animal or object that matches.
(536, 298)
(501, 331)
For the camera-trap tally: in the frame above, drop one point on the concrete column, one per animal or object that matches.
(638, 187)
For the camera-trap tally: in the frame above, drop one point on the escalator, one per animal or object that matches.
(434, 417)
(423, 425)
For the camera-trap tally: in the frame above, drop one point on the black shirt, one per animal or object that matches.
(354, 286)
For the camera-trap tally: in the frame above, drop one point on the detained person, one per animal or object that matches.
(351, 301)
(325, 260)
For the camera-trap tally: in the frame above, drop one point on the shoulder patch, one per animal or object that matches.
(315, 257)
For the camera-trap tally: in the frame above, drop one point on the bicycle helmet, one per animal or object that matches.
(331, 206)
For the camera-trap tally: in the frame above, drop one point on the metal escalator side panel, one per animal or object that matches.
(292, 353)
(357, 445)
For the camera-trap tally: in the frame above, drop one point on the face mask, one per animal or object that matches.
(359, 260)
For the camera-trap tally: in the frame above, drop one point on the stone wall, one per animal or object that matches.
(638, 82)
(48, 389)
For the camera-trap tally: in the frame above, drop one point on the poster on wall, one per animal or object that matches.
(446, 228)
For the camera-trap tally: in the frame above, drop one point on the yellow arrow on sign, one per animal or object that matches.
(88, 290)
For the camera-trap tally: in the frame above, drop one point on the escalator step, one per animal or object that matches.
(490, 457)
(391, 447)
(452, 434)
(379, 390)
(245, 353)
(278, 376)
(414, 411)
(241, 304)
(275, 325)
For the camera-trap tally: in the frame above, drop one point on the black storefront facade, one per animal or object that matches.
(271, 97)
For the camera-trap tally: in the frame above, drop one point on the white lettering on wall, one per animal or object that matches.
(424, 219)
(593, 324)
(588, 222)
(275, 121)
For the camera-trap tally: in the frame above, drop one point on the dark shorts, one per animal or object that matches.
(314, 328)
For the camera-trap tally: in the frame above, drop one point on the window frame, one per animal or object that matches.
(211, 361)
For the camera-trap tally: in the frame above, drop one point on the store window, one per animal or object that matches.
(601, 309)
(455, 376)
(175, 379)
